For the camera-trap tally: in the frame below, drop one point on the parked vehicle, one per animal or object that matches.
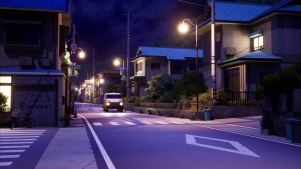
(112, 101)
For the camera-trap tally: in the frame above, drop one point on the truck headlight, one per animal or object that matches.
(120, 104)
(108, 104)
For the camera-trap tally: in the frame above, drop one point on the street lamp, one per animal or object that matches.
(183, 28)
(81, 54)
(117, 62)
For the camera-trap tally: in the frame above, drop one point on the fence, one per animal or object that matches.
(237, 98)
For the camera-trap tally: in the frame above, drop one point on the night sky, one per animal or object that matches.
(102, 24)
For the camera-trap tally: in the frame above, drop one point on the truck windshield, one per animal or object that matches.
(114, 96)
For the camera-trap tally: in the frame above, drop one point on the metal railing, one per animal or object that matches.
(237, 98)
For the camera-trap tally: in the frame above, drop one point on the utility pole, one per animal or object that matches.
(128, 87)
(213, 50)
(93, 88)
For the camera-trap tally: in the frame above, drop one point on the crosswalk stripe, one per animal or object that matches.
(25, 142)
(130, 123)
(22, 139)
(175, 122)
(97, 124)
(3, 137)
(114, 123)
(12, 151)
(16, 134)
(2, 164)
(9, 156)
(145, 122)
(26, 146)
(161, 122)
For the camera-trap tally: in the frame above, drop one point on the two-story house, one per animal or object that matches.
(151, 61)
(32, 39)
(251, 40)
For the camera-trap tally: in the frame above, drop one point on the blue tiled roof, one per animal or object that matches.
(239, 12)
(248, 12)
(169, 53)
(50, 5)
(257, 55)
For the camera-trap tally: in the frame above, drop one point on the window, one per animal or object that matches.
(232, 80)
(139, 66)
(155, 66)
(257, 39)
(5, 88)
(22, 34)
(176, 67)
(258, 43)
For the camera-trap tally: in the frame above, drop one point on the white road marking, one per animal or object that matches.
(97, 124)
(20, 139)
(100, 146)
(130, 123)
(114, 123)
(2, 164)
(250, 136)
(12, 151)
(26, 146)
(175, 122)
(9, 156)
(145, 122)
(1, 137)
(161, 122)
(28, 142)
(190, 139)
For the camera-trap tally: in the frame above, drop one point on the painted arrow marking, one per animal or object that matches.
(240, 149)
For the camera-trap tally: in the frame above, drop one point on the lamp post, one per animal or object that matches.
(117, 63)
(184, 28)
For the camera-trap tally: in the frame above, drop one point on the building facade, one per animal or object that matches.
(32, 39)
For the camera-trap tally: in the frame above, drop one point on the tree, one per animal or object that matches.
(115, 88)
(159, 84)
(187, 84)
(3, 101)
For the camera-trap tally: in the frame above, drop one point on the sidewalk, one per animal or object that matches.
(69, 149)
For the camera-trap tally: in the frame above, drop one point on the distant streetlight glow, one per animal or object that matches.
(101, 81)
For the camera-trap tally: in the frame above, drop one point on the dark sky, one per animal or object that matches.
(102, 24)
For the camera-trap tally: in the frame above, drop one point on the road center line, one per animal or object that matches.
(100, 146)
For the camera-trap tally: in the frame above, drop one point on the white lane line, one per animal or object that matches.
(248, 135)
(12, 151)
(26, 146)
(3, 164)
(253, 128)
(175, 122)
(100, 146)
(9, 156)
(114, 123)
(145, 122)
(26, 142)
(130, 123)
(20, 139)
(161, 122)
(97, 124)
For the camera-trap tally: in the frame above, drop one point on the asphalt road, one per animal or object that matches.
(138, 141)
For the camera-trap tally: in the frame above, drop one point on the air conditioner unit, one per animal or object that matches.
(230, 51)
(25, 60)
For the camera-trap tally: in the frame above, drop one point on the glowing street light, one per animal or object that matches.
(81, 54)
(183, 28)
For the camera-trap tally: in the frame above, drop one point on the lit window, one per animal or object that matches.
(258, 43)
(5, 89)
